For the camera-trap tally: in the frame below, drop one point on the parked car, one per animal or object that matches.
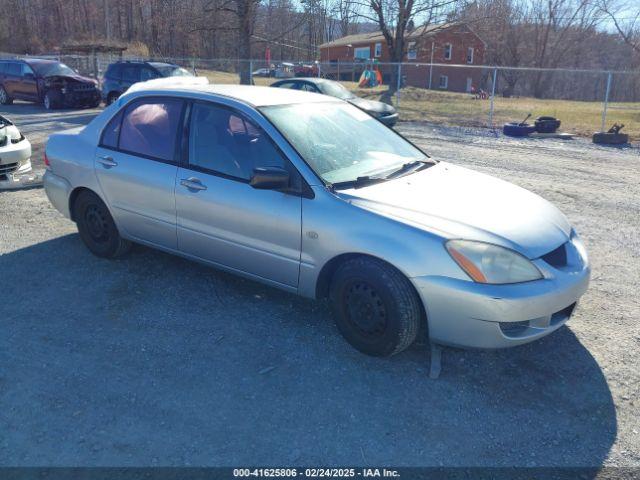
(379, 110)
(305, 70)
(309, 194)
(49, 82)
(15, 152)
(263, 72)
(120, 76)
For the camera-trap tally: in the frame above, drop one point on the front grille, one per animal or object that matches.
(558, 257)
(83, 88)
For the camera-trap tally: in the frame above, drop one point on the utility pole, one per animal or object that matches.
(107, 20)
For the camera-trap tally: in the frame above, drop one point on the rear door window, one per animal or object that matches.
(14, 69)
(131, 74)
(150, 128)
(114, 72)
(111, 133)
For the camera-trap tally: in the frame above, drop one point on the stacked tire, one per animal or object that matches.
(547, 124)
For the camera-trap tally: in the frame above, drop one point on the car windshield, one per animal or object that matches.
(335, 89)
(172, 71)
(341, 142)
(52, 69)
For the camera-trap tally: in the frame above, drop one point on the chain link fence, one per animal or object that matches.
(585, 101)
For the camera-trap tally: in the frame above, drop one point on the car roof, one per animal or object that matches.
(161, 64)
(38, 61)
(251, 95)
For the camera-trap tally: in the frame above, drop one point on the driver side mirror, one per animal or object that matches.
(29, 76)
(269, 178)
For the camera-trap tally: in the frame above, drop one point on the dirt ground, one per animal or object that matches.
(155, 360)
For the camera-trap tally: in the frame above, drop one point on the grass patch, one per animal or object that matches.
(460, 109)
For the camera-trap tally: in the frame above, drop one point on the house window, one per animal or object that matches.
(378, 50)
(412, 52)
(447, 51)
(470, 55)
(363, 53)
(444, 82)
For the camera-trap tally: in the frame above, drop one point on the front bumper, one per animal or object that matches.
(468, 314)
(83, 98)
(15, 164)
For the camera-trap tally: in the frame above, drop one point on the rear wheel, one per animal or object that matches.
(5, 99)
(112, 97)
(97, 228)
(376, 308)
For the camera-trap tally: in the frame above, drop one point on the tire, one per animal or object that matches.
(97, 228)
(605, 138)
(376, 308)
(547, 124)
(517, 129)
(5, 99)
(112, 97)
(51, 100)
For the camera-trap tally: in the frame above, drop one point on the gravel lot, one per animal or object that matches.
(155, 360)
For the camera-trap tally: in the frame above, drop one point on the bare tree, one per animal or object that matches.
(626, 19)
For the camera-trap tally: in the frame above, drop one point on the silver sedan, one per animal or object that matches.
(311, 195)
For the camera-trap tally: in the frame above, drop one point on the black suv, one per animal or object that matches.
(46, 81)
(121, 75)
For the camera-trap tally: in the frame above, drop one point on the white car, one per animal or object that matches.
(15, 153)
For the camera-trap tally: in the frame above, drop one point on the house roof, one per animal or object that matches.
(371, 37)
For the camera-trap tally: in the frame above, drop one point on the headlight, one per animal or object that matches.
(487, 263)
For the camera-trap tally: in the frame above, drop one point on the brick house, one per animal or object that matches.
(454, 44)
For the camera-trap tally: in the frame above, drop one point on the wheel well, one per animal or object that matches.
(326, 274)
(72, 199)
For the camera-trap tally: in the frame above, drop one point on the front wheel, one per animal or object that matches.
(97, 228)
(376, 308)
(51, 100)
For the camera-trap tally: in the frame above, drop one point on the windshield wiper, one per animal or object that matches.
(410, 167)
(358, 182)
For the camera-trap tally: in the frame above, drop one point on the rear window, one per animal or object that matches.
(150, 128)
(3, 67)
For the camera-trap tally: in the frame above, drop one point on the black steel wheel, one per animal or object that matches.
(376, 308)
(97, 228)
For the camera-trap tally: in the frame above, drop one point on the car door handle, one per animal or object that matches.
(107, 161)
(192, 183)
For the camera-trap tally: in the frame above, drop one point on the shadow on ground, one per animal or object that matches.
(155, 360)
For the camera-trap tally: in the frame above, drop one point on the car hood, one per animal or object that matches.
(372, 105)
(71, 78)
(455, 202)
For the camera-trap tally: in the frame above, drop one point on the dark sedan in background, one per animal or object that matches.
(378, 110)
(48, 82)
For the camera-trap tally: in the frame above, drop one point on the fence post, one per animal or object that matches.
(398, 84)
(493, 94)
(250, 72)
(606, 103)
